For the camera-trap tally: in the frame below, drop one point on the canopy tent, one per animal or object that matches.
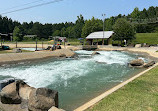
(99, 35)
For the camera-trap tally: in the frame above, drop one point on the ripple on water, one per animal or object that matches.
(77, 80)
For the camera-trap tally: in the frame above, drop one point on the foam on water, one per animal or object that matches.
(62, 70)
(77, 80)
(45, 74)
(109, 57)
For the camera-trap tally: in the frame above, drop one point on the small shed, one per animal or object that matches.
(99, 35)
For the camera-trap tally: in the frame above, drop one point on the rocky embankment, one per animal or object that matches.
(140, 63)
(19, 96)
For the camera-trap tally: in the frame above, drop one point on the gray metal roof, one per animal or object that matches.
(99, 35)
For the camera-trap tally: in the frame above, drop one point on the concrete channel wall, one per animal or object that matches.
(15, 57)
(110, 91)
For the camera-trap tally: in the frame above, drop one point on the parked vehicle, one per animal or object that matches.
(4, 47)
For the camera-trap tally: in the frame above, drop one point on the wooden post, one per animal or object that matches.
(108, 41)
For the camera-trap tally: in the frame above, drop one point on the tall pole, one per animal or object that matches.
(42, 44)
(36, 44)
(103, 28)
(16, 44)
(1, 41)
(55, 42)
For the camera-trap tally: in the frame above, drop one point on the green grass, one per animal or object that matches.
(139, 95)
(10, 51)
(71, 41)
(1, 109)
(30, 42)
(5, 51)
(149, 38)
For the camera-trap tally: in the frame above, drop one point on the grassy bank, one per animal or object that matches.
(139, 95)
(70, 41)
(149, 38)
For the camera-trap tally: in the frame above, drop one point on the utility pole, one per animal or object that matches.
(103, 27)
(42, 44)
(36, 44)
(55, 42)
(1, 40)
(16, 44)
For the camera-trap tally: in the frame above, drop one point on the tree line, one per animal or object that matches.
(81, 27)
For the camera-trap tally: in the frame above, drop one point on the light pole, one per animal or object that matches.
(103, 27)
(36, 44)
(1, 40)
(42, 44)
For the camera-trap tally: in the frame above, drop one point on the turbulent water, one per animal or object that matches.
(77, 80)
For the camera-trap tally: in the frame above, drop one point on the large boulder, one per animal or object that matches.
(63, 52)
(58, 47)
(137, 62)
(24, 91)
(10, 93)
(15, 92)
(42, 99)
(55, 109)
(48, 48)
(62, 55)
(138, 45)
(95, 53)
(6, 82)
(149, 64)
(17, 50)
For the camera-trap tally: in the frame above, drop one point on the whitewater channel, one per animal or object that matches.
(77, 80)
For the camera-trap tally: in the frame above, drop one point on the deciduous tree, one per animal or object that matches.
(123, 30)
(17, 36)
(136, 13)
(92, 26)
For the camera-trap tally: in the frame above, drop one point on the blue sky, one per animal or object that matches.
(68, 10)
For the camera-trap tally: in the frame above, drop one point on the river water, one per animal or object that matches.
(77, 80)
